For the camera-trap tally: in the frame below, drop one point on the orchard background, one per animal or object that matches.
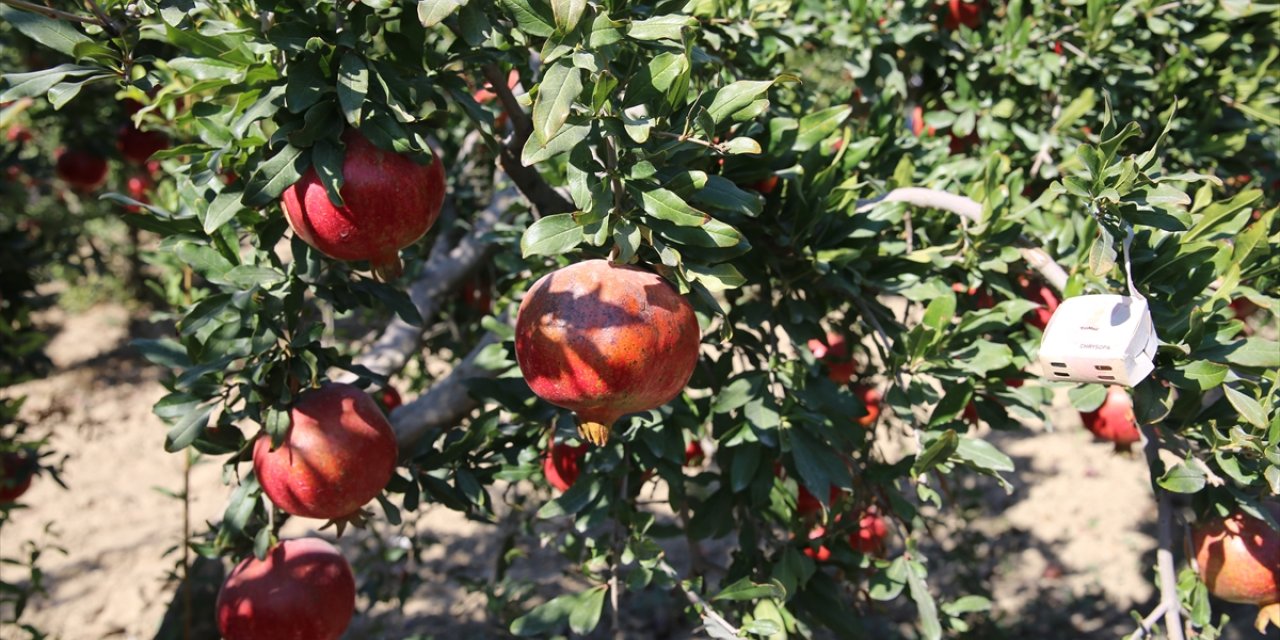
(872, 207)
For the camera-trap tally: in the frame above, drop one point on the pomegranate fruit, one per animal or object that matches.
(959, 13)
(138, 186)
(834, 353)
(693, 454)
(870, 397)
(83, 170)
(1114, 420)
(475, 294)
(390, 398)
(1239, 560)
(389, 200)
(872, 530)
(563, 464)
(766, 185)
(605, 340)
(808, 504)
(981, 298)
(138, 146)
(916, 122)
(1041, 294)
(302, 590)
(820, 553)
(338, 454)
(16, 473)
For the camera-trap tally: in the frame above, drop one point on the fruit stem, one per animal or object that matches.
(387, 269)
(1269, 614)
(594, 432)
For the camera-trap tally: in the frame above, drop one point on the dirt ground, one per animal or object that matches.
(1069, 552)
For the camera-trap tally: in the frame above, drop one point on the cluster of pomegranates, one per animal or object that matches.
(868, 538)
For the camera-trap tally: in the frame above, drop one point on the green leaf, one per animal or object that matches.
(666, 205)
(556, 93)
(58, 35)
(984, 456)
(1183, 478)
(661, 28)
(930, 628)
(37, 83)
(816, 127)
(735, 97)
(1088, 397)
(532, 20)
(275, 175)
(936, 452)
(433, 12)
(1250, 352)
(567, 14)
(221, 210)
(1249, 408)
(248, 276)
(1213, 219)
(574, 131)
(1102, 255)
(716, 278)
(745, 589)
(186, 430)
(353, 86)
(581, 611)
(551, 236)
(941, 310)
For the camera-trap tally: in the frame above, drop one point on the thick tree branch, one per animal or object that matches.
(1039, 260)
(444, 404)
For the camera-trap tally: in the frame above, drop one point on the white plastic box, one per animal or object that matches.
(1105, 338)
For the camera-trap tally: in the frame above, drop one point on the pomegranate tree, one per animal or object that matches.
(302, 590)
(1239, 560)
(604, 340)
(338, 454)
(1114, 420)
(389, 202)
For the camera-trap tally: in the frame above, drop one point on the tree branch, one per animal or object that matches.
(1169, 598)
(705, 611)
(50, 12)
(545, 199)
(1039, 260)
(444, 404)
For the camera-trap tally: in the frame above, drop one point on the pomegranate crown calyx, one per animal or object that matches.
(594, 432)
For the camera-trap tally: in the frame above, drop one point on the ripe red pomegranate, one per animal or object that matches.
(835, 354)
(605, 340)
(303, 590)
(870, 397)
(872, 530)
(562, 464)
(959, 13)
(693, 454)
(765, 185)
(808, 504)
(16, 472)
(1041, 294)
(1239, 560)
(83, 170)
(138, 146)
(1114, 421)
(820, 553)
(138, 186)
(390, 398)
(338, 455)
(476, 295)
(390, 202)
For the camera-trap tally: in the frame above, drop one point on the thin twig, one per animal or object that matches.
(50, 12)
(685, 138)
(106, 22)
(1144, 630)
(704, 609)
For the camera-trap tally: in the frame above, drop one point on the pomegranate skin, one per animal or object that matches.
(16, 473)
(1041, 294)
(390, 398)
(870, 397)
(303, 590)
(808, 504)
(835, 354)
(605, 340)
(820, 553)
(1114, 420)
(694, 456)
(389, 200)
(872, 530)
(1239, 560)
(339, 454)
(563, 464)
(137, 146)
(83, 170)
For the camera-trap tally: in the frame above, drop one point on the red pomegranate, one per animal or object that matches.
(693, 454)
(835, 354)
(475, 294)
(605, 340)
(766, 185)
(303, 590)
(959, 13)
(562, 464)
(870, 397)
(958, 145)
(916, 121)
(1239, 560)
(390, 398)
(808, 504)
(83, 170)
(389, 200)
(16, 473)
(872, 530)
(138, 186)
(338, 455)
(981, 298)
(138, 146)
(1041, 294)
(1114, 421)
(820, 553)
